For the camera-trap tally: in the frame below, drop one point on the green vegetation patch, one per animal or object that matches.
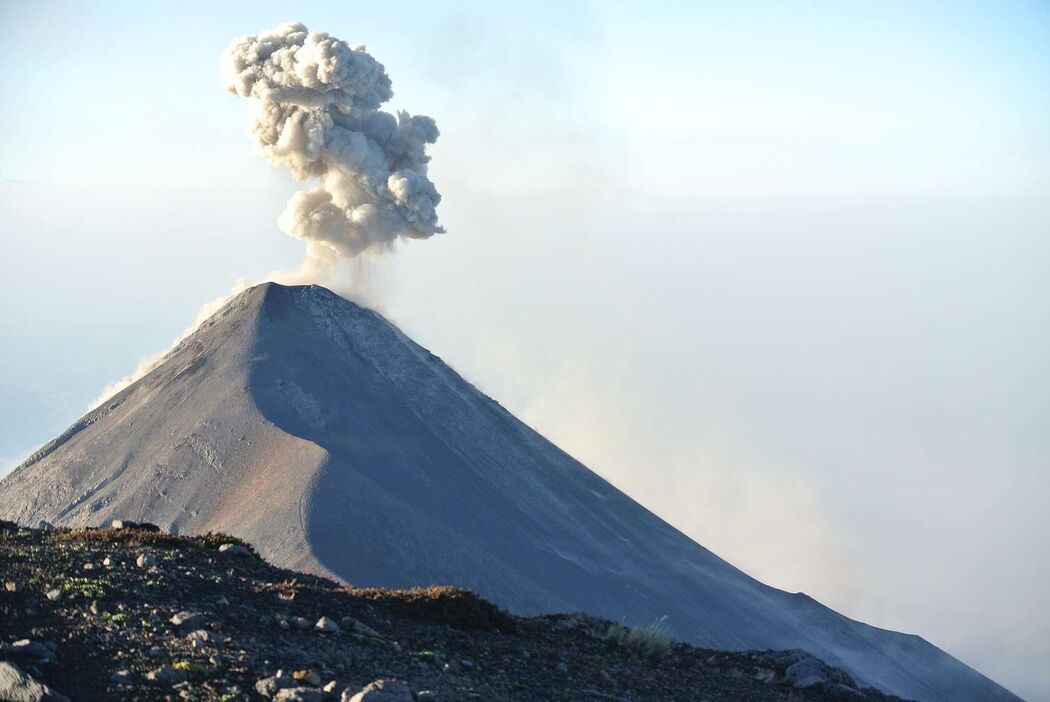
(92, 588)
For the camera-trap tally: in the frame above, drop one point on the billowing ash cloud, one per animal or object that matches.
(316, 111)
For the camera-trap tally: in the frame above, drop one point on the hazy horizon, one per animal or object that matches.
(780, 275)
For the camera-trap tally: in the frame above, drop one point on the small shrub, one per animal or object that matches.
(652, 639)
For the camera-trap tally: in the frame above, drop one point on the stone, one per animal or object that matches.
(25, 650)
(426, 696)
(166, 676)
(268, 687)
(121, 677)
(359, 627)
(387, 690)
(307, 677)
(300, 623)
(234, 550)
(327, 626)
(299, 694)
(806, 673)
(54, 595)
(187, 620)
(17, 686)
(200, 638)
(10, 586)
(109, 561)
(44, 525)
(146, 560)
(127, 524)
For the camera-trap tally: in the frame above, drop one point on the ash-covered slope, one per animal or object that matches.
(316, 430)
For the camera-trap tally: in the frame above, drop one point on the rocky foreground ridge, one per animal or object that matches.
(134, 613)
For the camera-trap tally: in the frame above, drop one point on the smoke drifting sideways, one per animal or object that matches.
(316, 112)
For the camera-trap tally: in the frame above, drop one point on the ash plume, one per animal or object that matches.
(316, 112)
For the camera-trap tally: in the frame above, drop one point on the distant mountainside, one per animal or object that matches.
(316, 430)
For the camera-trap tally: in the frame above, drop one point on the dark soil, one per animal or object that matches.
(449, 642)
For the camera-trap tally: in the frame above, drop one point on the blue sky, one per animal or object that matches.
(779, 270)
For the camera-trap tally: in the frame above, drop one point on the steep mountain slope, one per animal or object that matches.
(316, 430)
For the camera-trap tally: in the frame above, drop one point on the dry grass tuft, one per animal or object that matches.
(651, 640)
(140, 537)
(458, 608)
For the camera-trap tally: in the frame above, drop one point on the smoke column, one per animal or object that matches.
(316, 112)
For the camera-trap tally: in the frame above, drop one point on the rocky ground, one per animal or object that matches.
(132, 613)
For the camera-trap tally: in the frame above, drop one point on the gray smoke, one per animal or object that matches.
(316, 111)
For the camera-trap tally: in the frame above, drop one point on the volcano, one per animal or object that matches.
(314, 429)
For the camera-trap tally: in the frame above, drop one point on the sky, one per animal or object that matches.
(780, 271)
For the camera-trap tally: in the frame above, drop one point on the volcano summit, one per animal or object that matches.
(314, 429)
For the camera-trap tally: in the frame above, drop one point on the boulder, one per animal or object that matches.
(806, 673)
(16, 686)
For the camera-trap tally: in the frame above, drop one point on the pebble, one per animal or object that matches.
(300, 623)
(11, 587)
(145, 560)
(54, 595)
(121, 677)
